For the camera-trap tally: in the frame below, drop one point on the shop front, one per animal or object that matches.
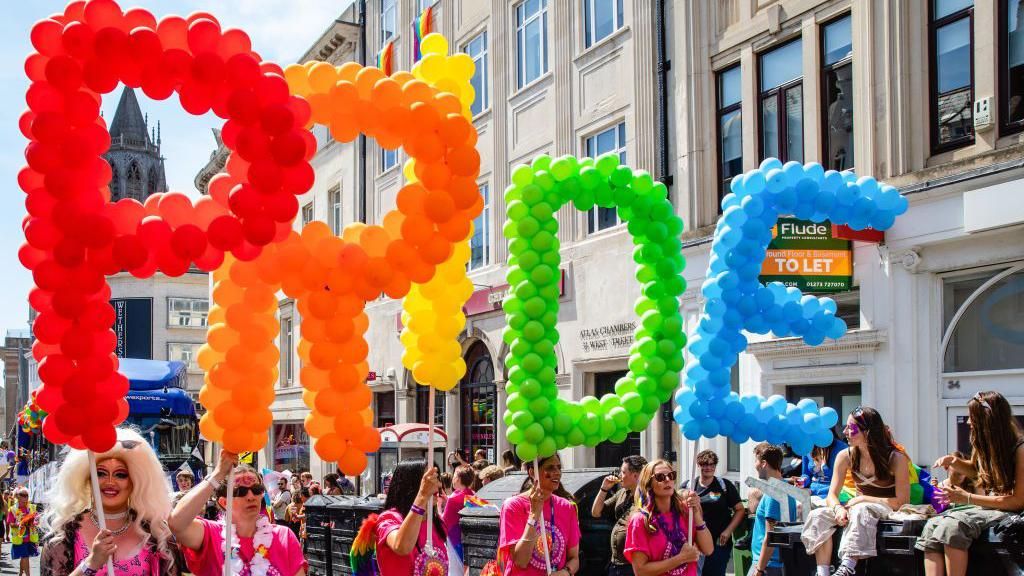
(402, 442)
(291, 447)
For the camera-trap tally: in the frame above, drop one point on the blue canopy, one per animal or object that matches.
(156, 388)
(152, 374)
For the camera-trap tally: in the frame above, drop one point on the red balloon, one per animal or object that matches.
(102, 13)
(77, 39)
(51, 431)
(46, 37)
(188, 242)
(130, 252)
(225, 232)
(203, 35)
(100, 437)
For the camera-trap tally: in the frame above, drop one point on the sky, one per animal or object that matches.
(281, 31)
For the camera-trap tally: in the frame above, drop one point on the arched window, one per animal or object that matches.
(133, 183)
(116, 193)
(153, 184)
(479, 403)
(984, 317)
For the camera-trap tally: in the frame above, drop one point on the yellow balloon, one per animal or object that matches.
(434, 44)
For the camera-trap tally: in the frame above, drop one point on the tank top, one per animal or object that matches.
(871, 486)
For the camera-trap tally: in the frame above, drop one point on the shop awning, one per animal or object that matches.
(412, 433)
(152, 374)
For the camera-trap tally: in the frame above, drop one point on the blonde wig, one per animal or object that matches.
(150, 500)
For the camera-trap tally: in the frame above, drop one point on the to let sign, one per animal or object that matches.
(807, 255)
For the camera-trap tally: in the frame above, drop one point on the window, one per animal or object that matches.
(334, 205)
(480, 243)
(422, 398)
(611, 140)
(479, 401)
(388, 13)
(385, 411)
(1011, 52)
(422, 5)
(187, 312)
(600, 19)
(952, 77)
(782, 103)
(287, 368)
(388, 159)
(531, 40)
(837, 83)
(477, 50)
(989, 335)
(730, 128)
(307, 213)
(291, 447)
(184, 352)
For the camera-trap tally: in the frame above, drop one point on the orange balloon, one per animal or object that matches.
(352, 462)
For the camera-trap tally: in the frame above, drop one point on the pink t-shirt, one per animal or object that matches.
(143, 563)
(416, 562)
(456, 502)
(657, 546)
(285, 552)
(561, 521)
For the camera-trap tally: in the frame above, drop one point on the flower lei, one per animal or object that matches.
(261, 542)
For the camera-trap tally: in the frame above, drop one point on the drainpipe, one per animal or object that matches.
(361, 161)
(663, 66)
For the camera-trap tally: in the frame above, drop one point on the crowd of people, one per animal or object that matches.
(662, 524)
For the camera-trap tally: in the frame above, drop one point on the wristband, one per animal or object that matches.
(213, 482)
(417, 510)
(968, 498)
(603, 490)
(86, 571)
(700, 527)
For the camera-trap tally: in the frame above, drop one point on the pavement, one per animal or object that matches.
(10, 567)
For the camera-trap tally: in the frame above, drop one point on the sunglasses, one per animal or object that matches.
(243, 491)
(663, 476)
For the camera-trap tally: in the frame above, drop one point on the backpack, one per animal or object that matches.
(362, 556)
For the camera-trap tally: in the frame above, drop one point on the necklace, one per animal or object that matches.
(262, 540)
(114, 533)
(117, 515)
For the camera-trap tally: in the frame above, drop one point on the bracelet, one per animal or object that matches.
(213, 482)
(968, 498)
(602, 490)
(86, 571)
(417, 510)
(702, 526)
(533, 524)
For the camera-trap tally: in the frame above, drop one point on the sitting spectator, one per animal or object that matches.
(509, 462)
(331, 486)
(816, 472)
(490, 474)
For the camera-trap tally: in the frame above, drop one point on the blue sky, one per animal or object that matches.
(281, 31)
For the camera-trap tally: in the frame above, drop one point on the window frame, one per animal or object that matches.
(192, 367)
(589, 24)
(721, 112)
(287, 368)
(933, 78)
(334, 209)
(192, 301)
(384, 155)
(484, 99)
(1006, 128)
(779, 93)
(825, 69)
(619, 128)
(312, 212)
(485, 230)
(542, 15)
(386, 7)
(420, 5)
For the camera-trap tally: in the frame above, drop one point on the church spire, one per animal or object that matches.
(128, 121)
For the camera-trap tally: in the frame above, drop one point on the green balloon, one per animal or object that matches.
(547, 447)
(527, 226)
(522, 176)
(532, 195)
(535, 308)
(620, 416)
(575, 437)
(526, 452)
(639, 422)
(514, 435)
(540, 405)
(584, 201)
(632, 402)
(561, 169)
(545, 180)
(533, 433)
(530, 388)
(533, 331)
(541, 162)
(517, 210)
(563, 423)
(607, 163)
(543, 241)
(590, 178)
(523, 418)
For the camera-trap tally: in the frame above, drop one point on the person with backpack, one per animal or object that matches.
(879, 468)
(400, 532)
(543, 499)
(620, 506)
(723, 512)
(996, 469)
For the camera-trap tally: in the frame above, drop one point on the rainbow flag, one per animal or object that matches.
(477, 502)
(421, 26)
(386, 57)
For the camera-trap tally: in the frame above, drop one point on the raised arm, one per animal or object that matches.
(187, 530)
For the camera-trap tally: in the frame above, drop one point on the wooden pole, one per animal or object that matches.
(97, 507)
(228, 526)
(430, 463)
(695, 479)
(543, 528)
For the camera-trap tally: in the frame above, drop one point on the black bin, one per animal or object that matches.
(996, 553)
(480, 525)
(347, 516)
(319, 534)
(896, 553)
(785, 537)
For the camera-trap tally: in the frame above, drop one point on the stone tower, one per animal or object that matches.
(134, 155)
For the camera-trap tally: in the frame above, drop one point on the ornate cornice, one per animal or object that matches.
(855, 341)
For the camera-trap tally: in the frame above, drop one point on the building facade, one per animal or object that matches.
(923, 95)
(17, 348)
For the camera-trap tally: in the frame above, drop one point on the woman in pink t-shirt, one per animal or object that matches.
(656, 537)
(402, 548)
(258, 547)
(519, 543)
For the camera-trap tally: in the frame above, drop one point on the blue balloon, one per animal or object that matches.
(736, 302)
(807, 406)
(691, 429)
(829, 417)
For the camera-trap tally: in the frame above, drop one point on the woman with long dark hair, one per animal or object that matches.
(657, 541)
(542, 499)
(401, 529)
(996, 468)
(880, 471)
